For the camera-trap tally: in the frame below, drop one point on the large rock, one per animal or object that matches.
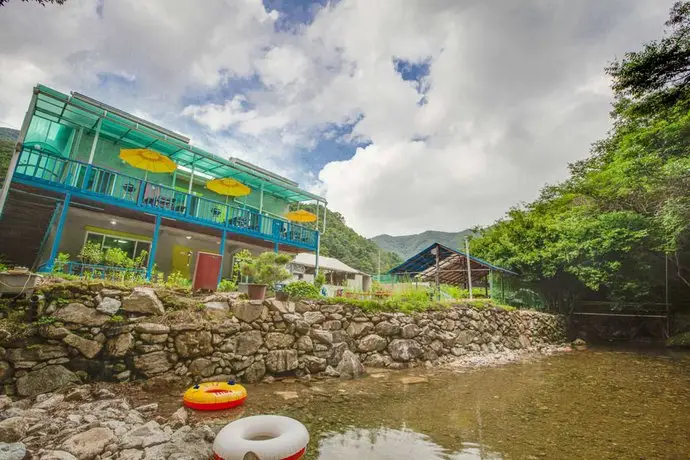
(89, 444)
(248, 343)
(37, 352)
(355, 329)
(281, 360)
(203, 367)
(321, 336)
(78, 313)
(255, 372)
(279, 340)
(13, 451)
(6, 371)
(147, 435)
(247, 311)
(109, 306)
(44, 380)
(350, 367)
(120, 345)
(464, 337)
(280, 306)
(337, 353)
(387, 329)
(314, 317)
(49, 331)
(13, 429)
(88, 348)
(152, 328)
(153, 363)
(372, 342)
(58, 455)
(314, 363)
(143, 300)
(304, 343)
(410, 331)
(405, 350)
(194, 343)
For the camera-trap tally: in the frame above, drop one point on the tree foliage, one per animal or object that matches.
(40, 2)
(606, 231)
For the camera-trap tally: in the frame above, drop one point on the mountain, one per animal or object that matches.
(9, 134)
(408, 245)
(343, 243)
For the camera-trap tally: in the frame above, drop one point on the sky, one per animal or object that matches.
(406, 116)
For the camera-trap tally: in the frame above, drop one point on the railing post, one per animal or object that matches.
(140, 194)
(87, 176)
(58, 232)
(154, 243)
(222, 254)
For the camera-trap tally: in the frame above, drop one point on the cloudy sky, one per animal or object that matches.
(407, 115)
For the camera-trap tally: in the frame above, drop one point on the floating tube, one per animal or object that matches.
(215, 395)
(265, 437)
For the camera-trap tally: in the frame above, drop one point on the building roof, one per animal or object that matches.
(77, 110)
(327, 263)
(452, 265)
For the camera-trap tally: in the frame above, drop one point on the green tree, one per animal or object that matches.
(40, 2)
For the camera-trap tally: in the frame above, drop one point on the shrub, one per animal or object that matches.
(268, 268)
(227, 286)
(116, 319)
(301, 290)
(45, 320)
(61, 260)
(116, 257)
(320, 280)
(91, 253)
(178, 280)
(237, 260)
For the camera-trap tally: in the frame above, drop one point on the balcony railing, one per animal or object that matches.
(119, 189)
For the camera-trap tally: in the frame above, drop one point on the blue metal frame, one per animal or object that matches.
(86, 181)
(58, 233)
(96, 270)
(222, 254)
(154, 244)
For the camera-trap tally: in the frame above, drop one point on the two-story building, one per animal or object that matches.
(67, 185)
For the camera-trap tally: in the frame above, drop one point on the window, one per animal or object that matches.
(132, 247)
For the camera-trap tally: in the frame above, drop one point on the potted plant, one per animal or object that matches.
(265, 270)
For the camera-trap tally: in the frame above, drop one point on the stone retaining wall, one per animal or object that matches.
(101, 333)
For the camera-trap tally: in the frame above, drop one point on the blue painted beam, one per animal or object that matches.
(58, 233)
(154, 243)
(222, 254)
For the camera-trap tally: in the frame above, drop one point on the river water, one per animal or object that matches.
(594, 404)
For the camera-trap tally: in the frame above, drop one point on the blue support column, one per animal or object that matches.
(275, 247)
(222, 255)
(58, 233)
(154, 243)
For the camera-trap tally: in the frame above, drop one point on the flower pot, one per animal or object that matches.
(256, 291)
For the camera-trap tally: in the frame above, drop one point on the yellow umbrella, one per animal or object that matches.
(148, 160)
(228, 187)
(301, 216)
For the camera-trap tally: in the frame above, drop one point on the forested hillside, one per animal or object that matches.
(408, 245)
(609, 230)
(346, 245)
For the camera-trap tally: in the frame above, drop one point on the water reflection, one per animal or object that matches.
(391, 444)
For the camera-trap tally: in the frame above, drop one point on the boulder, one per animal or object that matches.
(314, 317)
(6, 371)
(248, 343)
(279, 340)
(144, 301)
(314, 363)
(154, 338)
(405, 350)
(37, 352)
(280, 306)
(44, 380)
(464, 338)
(247, 311)
(355, 329)
(255, 372)
(58, 455)
(131, 454)
(321, 336)
(153, 363)
(350, 367)
(410, 331)
(387, 329)
(377, 360)
(146, 435)
(202, 367)
(304, 343)
(372, 342)
(120, 345)
(13, 451)
(49, 331)
(337, 353)
(189, 344)
(89, 444)
(13, 429)
(217, 306)
(281, 361)
(109, 306)
(49, 403)
(78, 313)
(152, 328)
(88, 348)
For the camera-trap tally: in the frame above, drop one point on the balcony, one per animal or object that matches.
(60, 174)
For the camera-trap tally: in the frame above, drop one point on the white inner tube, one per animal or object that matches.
(267, 437)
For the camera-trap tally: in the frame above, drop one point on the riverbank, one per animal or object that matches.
(142, 421)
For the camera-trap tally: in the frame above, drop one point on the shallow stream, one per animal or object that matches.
(594, 404)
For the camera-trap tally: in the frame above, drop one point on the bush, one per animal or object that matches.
(268, 268)
(61, 260)
(178, 280)
(91, 253)
(320, 280)
(301, 290)
(116, 257)
(227, 286)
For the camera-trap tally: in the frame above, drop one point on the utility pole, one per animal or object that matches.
(469, 266)
(379, 266)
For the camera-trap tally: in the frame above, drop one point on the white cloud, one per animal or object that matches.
(514, 92)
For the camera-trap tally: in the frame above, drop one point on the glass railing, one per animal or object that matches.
(129, 191)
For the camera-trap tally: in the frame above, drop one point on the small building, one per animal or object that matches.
(338, 275)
